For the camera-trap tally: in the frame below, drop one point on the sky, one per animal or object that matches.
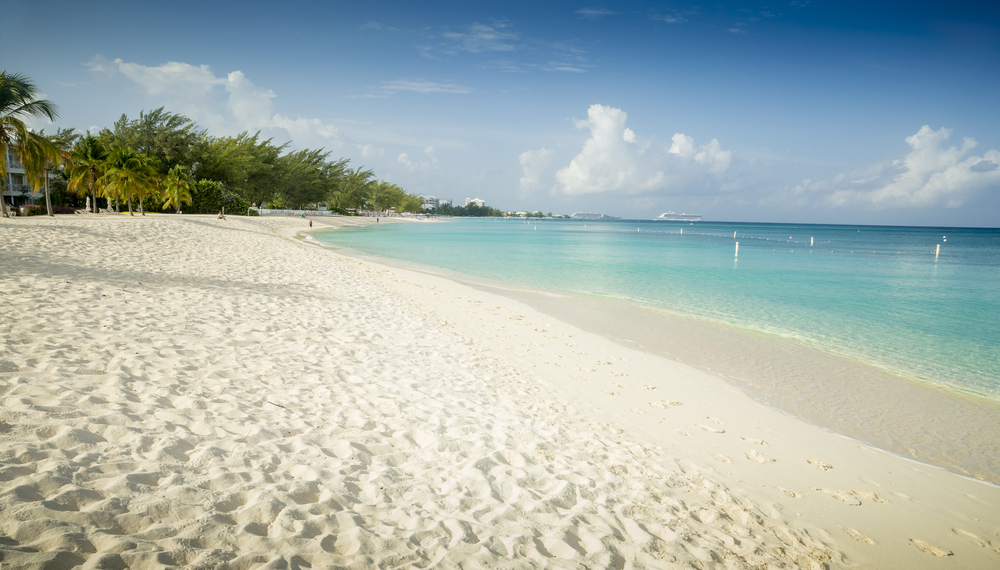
(814, 111)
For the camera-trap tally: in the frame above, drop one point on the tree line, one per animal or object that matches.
(162, 160)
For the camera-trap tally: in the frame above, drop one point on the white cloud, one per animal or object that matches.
(616, 159)
(932, 174)
(404, 159)
(533, 163)
(191, 89)
(368, 151)
(424, 86)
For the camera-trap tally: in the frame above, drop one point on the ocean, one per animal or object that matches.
(878, 294)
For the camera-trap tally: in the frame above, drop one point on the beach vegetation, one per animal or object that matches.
(19, 100)
(89, 156)
(177, 188)
(130, 174)
(165, 159)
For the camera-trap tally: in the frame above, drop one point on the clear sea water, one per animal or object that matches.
(874, 293)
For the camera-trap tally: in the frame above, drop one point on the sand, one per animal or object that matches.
(186, 391)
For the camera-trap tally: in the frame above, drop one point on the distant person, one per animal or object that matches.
(221, 216)
(310, 223)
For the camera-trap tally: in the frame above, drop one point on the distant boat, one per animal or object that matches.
(672, 217)
(589, 216)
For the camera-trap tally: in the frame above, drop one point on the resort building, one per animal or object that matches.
(17, 191)
(475, 201)
(431, 203)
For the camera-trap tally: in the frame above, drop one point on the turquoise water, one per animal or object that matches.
(891, 302)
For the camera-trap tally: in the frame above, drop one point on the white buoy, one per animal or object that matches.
(811, 241)
(734, 234)
(682, 230)
(737, 249)
(945, 238)
(937, 252)
(637, 229)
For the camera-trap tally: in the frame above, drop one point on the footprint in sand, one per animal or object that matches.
(637, 411)
(649, 386)
(752, 440)
(603, 363)
(582, 369)
(684, 433)
(790, 493)
(610, 393)
(758, 457)
(674, 403)
(710, 429)
(858, 535)
(972, 537)
(619, 374)
(870, 496)
(658, 405)
(820, 464)
(845, 497)
(722, 458)
(619, 385)
(933, 550)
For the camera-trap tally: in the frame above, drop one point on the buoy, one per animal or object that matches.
(737, 249)
(682, 230)
(937, 252)
(734, 234)
(811, 242)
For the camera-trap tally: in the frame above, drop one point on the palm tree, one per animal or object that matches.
(178, 187)
(130, 174)
(89, 156)
(18, 101)
(39, 156)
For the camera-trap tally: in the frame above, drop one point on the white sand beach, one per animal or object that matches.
(187, 391)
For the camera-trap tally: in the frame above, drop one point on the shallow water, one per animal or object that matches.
(876, 294)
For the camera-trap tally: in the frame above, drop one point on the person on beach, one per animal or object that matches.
(310, 223)
(220, 216)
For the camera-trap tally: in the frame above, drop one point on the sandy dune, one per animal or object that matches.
(186, 391)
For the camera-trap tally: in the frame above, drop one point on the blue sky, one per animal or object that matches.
(821, 111)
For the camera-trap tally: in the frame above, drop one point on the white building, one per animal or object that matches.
(475, 201)
(431, 203)
(16, 189)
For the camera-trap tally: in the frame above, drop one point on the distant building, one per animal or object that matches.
(432, 203)
(475, 201)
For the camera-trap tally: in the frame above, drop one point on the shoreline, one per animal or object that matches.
(249, 399)
(848, 396)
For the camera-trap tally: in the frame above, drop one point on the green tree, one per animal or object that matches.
(177, 187)
(18, 101)
(88, 164)
(167, 138)
(244, 164)
(130, 174)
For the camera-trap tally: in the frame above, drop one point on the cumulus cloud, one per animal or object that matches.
(616, 159)
(189, 89)
(932, 174)
(413, 165)
(533, 163)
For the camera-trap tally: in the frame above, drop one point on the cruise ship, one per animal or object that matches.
(672, 217)
(589, 216)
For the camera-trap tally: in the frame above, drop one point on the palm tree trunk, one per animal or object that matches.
(48, 200)
(3, 201)
(129, 198)
(93, 191)
(141, 211)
